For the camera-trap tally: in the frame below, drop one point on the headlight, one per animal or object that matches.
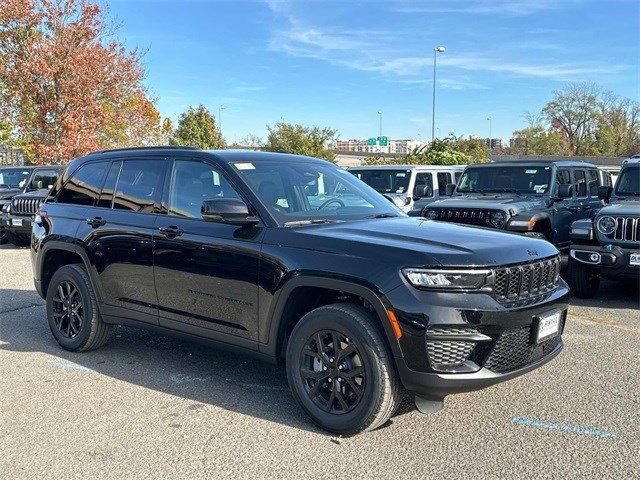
(607, 225)
(497, 218)
(6, 208)
(446, 279)
(399, 202)
(431, 215)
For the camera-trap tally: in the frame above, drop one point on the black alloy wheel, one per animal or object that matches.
(333, 372)
(68, 309)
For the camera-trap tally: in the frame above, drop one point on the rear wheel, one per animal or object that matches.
(3, 236)
(72, 311)
(583, 280)
(341, 371)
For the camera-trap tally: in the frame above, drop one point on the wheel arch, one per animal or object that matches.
(56, 254)
(285, 311)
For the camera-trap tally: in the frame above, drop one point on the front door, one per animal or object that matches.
(563, 211)
(206, 273)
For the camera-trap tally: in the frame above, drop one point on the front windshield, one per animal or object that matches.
(531, 179)
(629, 182)
(385, 181)
(13, 177)
(313, 191)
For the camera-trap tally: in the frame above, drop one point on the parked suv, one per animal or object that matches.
(356, 297)
(27, 189)
(410, 187)
(539, 199)
(608, 245)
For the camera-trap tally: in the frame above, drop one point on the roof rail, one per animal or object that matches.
(159, 147)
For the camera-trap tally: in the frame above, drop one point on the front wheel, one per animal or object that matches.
(583, 280)
(341, 371)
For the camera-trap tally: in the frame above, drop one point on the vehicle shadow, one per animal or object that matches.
(182, 368)
(619, 295)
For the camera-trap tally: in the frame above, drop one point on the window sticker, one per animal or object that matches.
(539, 188)
(531, 172)
(244, 166)
(401, 174)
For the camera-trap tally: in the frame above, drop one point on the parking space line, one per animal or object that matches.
(565, 428)
(72, 366)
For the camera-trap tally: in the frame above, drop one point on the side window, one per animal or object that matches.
(563, 177)
(593, 182)
(192, 183)
(425, 179)
(106, 196)
(581, 183)
(443, 179)
(139, 185)
(84, 186)
(457, 176)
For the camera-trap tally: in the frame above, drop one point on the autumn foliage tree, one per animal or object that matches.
(69, 87)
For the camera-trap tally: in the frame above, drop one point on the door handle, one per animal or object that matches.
(171, 232)
(96, 222)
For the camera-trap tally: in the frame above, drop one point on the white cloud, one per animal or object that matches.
(505, 7)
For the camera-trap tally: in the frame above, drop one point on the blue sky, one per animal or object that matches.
(336, 63)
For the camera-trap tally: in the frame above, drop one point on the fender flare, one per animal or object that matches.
(72, 248)
(526, 222)
(369, 293)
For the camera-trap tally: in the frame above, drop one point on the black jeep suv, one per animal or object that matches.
(252, 250)
(19, 206)
(540, 198)
(608, 245)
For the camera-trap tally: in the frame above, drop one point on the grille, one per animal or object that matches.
(526, 283)
(469, 216)
(445, 355)
(25, 206)
(515, 349)
(628, 230)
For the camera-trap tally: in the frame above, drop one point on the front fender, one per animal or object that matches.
(370, 293)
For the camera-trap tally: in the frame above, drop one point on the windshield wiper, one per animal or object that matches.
(505, 190)
(382, 215)
(312, 221)
(472, 190)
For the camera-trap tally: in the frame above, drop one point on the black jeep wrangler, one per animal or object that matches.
(539, 199)
(18, 212)
(258, 252)
(608, 245)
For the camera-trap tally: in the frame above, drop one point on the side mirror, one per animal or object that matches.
(565, 191)
(421, 191)
(448, 191)
(227, 210)
(604, 192)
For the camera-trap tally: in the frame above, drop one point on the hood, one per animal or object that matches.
(627, 207)
(6, 193)
(34, 194)
(410, 241)
(496, 202)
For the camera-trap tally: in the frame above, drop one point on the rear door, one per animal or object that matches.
(582, 188)
(118, 232)
(206, 273)
(563, 211)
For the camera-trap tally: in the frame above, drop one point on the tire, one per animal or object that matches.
(380, 392)
(77, 336)
(3, 236)
(16, 240)
(583, 280)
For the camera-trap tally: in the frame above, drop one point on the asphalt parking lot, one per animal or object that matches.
(148, 405)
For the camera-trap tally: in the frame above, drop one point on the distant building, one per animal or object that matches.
(11, 156)
(401, 147)
(493, 143)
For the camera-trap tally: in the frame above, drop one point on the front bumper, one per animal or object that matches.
(456, 342)
(611, 261)
(17, 224)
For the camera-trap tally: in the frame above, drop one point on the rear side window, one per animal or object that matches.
(563, 177)
(106, 196)
(457, 176)
(83, 188)
(581, 183)
(425, 179)
(593, 182)
(139, 185)
(443, 179)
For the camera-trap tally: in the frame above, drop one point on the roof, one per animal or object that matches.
(408, 167)
(598, 161)
(537, 161)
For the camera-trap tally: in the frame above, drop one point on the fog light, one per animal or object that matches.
(595, 257)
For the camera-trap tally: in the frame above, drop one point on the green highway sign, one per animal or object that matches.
(371, 141)
(383, 141)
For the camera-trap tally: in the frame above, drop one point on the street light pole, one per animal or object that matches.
(490, 145)
(380, 117)
(439, 49)
(220, 109)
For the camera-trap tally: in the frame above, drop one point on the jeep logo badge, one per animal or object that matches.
(533, 253)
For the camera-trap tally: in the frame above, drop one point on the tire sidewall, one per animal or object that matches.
(317, 321)
(70, 274)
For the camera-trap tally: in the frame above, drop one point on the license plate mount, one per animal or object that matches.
(16, 222)
(634, 259)
(548, 325)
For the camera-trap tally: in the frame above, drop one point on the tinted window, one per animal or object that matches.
(457, 176)
(532, 179)
(106, 196)
(593, 182)
(563, 177)
(194, 182)
(581, 183)
(84, 186)
(139, 185)
(44, 179)
(628, 182)
(425, 178)
(14, 177)
(443, 179)
(385, 181)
